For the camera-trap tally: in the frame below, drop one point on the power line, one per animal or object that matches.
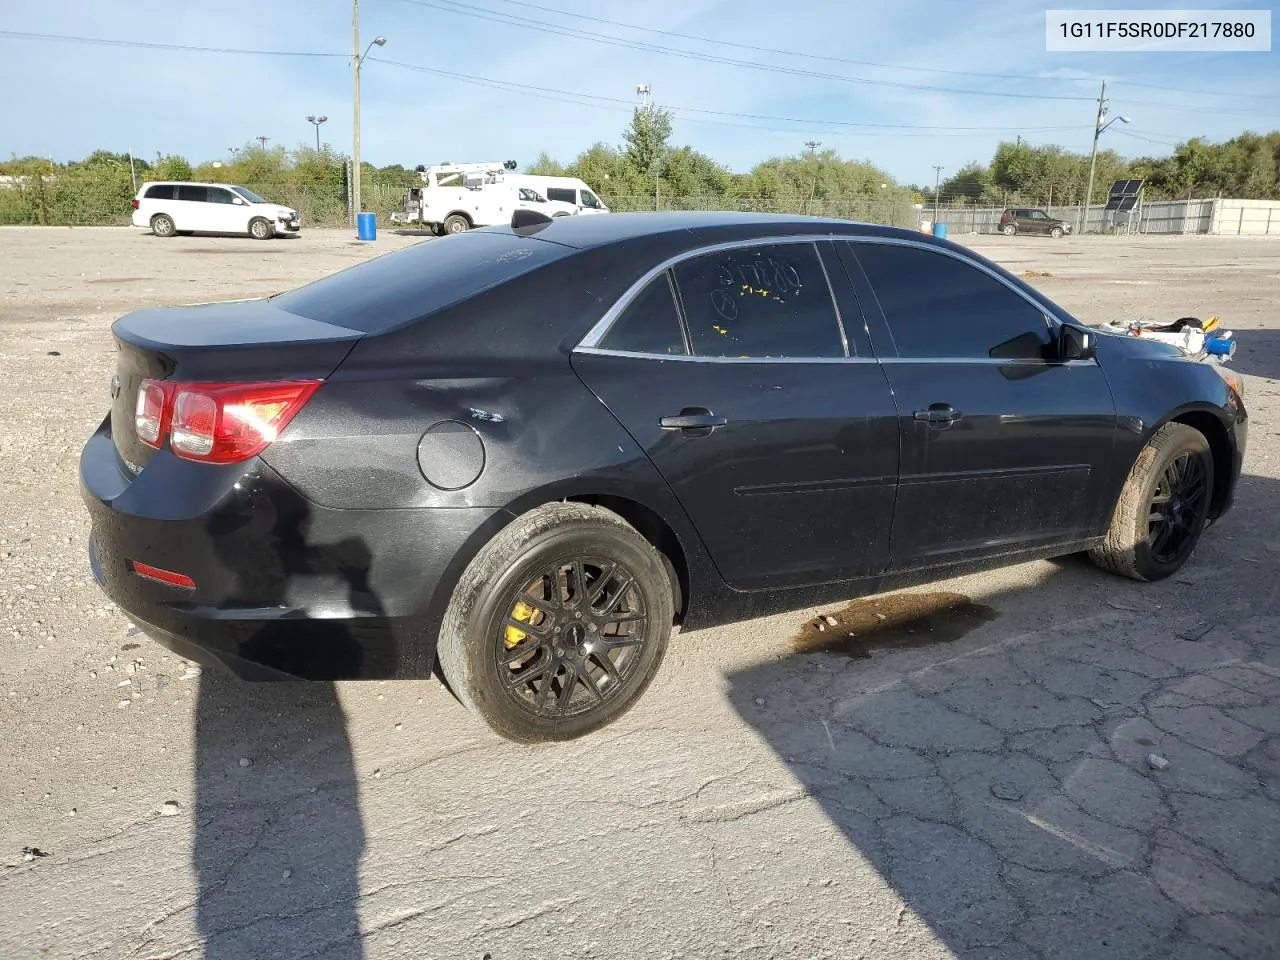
(101, 41)
(870, 63)
(593, 100)
(575, 33)
(530, 88)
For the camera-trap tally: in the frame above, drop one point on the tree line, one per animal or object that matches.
(646, 170)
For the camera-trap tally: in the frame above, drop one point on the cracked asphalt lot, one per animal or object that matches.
(986, 797)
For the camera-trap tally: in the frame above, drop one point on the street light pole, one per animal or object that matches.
(355, 126)
(316, 121)
(1093, 157)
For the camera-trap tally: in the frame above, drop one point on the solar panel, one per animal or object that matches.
(1127, 204)
(1125, 188)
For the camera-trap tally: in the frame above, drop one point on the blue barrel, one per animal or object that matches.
(940, 231)
(366, 227)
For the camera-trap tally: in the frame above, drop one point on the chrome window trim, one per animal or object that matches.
(690, 358)
(590, 342)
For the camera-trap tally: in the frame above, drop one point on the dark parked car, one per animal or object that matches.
(1017, 220)
(527, 452)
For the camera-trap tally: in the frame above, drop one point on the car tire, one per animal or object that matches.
(456, 223)
(162, 225)
(261, 229)
(1056, 233)
(567, 690)
(1009, 230)
(1163, 507)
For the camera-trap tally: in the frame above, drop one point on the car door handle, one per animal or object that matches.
(939, 413)
(693, 422)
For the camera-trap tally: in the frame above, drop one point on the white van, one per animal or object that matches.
(568, 190)
(171, 208)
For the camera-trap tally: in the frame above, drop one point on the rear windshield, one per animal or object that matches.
(401, 287)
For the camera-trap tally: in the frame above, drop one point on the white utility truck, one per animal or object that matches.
(458, 196)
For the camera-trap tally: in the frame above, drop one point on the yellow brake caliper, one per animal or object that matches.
(512, 636)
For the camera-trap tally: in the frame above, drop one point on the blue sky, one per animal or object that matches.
(66, 99)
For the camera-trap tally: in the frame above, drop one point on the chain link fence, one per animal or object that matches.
(94, 197)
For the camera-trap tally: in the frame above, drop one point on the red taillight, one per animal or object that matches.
(163, 576)
(136, 204)
(218, 422)
(230, 422)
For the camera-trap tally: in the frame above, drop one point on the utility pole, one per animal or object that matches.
(813, 146)
(937, 180)
(133, 174)
(263, 141)
(355, 120)
(644, 91)
(1093, 158)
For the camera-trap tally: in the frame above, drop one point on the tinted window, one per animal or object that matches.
(649, 324)
(766, 301)
(193, 194)
(218, 195)
(938, 306)
(396, 288)
(563, 194)
(163, 191)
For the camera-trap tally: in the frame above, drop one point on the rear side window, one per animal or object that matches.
(649, 324)
(765, 301)
(563, 194)
(161, 191)
(940, 307)
(193, 194)
(400, 287)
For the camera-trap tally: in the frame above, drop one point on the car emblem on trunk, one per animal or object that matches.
(115, 385)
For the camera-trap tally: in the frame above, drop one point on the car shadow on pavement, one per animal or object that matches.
(1005, 784)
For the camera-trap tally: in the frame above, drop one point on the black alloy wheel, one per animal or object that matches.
(572, 638)
(1179, 506)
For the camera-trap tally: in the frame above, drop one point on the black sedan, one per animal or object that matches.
(526, 452)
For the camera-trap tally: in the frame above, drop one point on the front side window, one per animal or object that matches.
(939, 307)
(161, 191)
(248, 194)
(1039, 215)
(649, 323)
(562, 194)
(765, 301)
(530, 196)
(193, 194)
(589, 199)
(218, 195)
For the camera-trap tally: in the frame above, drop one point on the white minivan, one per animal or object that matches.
(171, 208)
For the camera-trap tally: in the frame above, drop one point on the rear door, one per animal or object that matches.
(759, 402)
(1003, 448)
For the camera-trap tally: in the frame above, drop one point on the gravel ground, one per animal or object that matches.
(981, 791)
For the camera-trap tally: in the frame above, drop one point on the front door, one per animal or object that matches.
(732, 372)
(1003, 448)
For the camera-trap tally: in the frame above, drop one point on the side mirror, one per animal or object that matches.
(1076, 343)
(239, 201)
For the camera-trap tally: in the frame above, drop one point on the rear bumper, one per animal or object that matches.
(284, 589)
